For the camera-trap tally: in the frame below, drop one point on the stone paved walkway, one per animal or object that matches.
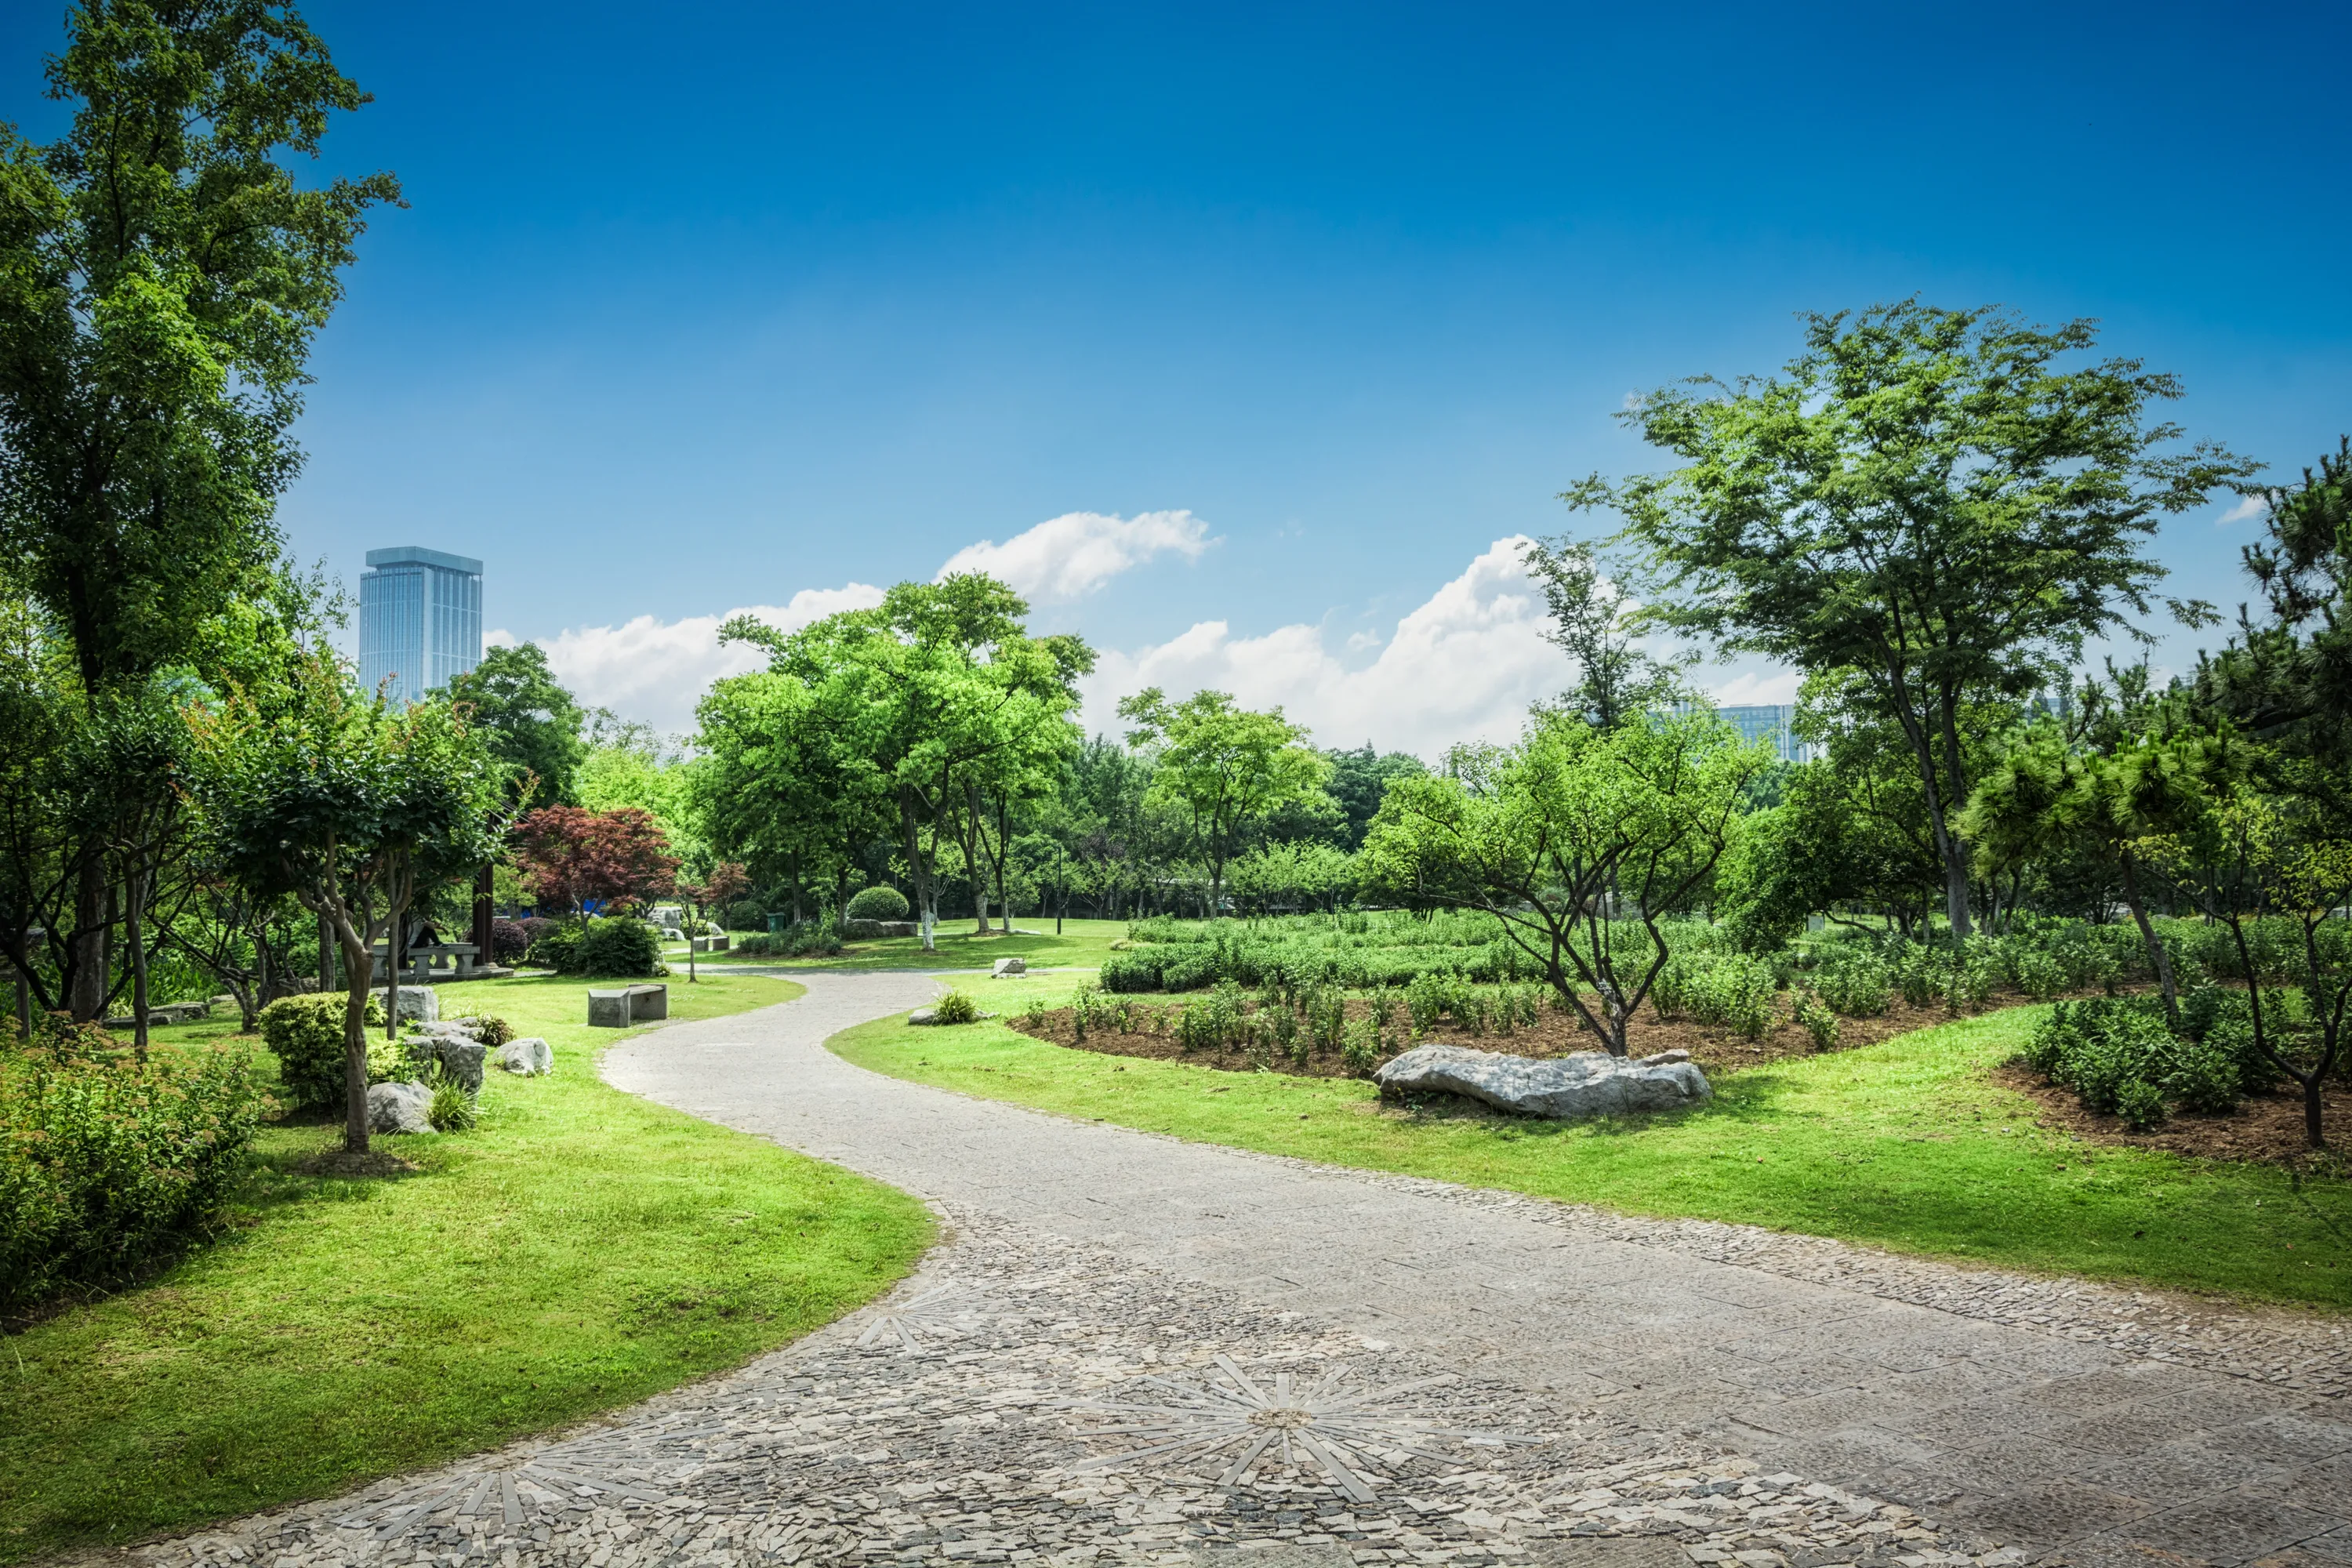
(1746, 1398)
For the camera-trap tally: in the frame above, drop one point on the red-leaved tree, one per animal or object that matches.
(569, 856)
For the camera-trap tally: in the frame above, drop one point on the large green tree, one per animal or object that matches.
(163, 274)
(936, 690)
(1941, 501)
(1225, 767)
(530, 721)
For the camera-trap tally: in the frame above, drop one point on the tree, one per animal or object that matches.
(161, 277)
(571, 857)
(782, 788)
(937, 691)
(1565, 833)
(530, 721)
(1225, 767)
(726, 882)
(1357, 780)
(2132, 770)
(1594, 624)
(1924, 498)
(348, 806)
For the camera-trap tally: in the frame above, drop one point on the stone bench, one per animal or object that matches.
(711, 943)
(625, 1006)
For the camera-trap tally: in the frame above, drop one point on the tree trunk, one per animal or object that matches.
(326, 956)
(916, 869)
(2158, 958)
(86, 996)
(395, 950)
(2311, 1108)
(133, 906)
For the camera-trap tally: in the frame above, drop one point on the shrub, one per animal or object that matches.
(1361, 1049)
(1134, 971)
(616, 946)
(881, 902)
(451, 1109)
(1856, 986)
(2121, 1058)
(744, 914)
(106, 1165)
(957, 1007)
(509, 941)
(306, 1035)
(1817, 1020)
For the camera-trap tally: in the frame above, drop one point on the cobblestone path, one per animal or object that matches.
(1138, 1348)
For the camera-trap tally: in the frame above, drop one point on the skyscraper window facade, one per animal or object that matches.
(1771, 721)
(420, 620)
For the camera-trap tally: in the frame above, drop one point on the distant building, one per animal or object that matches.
(1769, 721)
(420, 620)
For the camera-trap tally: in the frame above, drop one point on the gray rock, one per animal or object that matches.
(924, 1015)
(462, 1060)
(417, 1004)
(1005, 966)
(1589, 1083)
(625, 1006)
(530, 1057)
(398, 1108)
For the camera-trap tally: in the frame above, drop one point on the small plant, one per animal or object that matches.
(1424, 999)
(1360, 1053)
(1384, 1007)
(1858, 987)
(957, 1007)
(1817, 1020)
(451, 1110)
(1035, 1015)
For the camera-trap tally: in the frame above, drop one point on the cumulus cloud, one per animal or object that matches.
(1070, 557)
(1461, 665)
(2247, 508)
(1756, 685)
(656, 670)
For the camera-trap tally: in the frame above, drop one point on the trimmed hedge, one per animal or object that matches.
(879, 903)
(306, 1035)
(617, 946)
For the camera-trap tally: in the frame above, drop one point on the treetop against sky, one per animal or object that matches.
(1244, 335)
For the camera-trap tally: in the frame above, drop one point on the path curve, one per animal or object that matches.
(2010, 1433)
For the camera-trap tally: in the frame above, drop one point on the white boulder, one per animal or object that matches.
(1005, 966)
(1588, 1083)
(530, 1057)
(415, 1005)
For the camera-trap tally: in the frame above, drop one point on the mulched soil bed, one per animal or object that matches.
(1555, 1034)
(2266, 1127)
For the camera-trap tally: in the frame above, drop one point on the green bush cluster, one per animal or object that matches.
(819, 938)
(613, 946)
(2122, 1059)
(306, 1035)
(879, 903)
(106, 1165)
(956, 1007)
(1729, 990)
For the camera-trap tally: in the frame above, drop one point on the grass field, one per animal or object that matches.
(1904, 1144)
(1083, 944)
(578, 1251)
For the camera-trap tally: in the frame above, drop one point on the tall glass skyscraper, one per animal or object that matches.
(420, 620)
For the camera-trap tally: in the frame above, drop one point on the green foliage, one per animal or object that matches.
(880, 903)
(451, 1109)
(611, 946)
(957, 1007)
(531, 722)
(819, 938)
(1857, 984)
(106, 1165)
(306, 1035)
(1817, 1020)
(2121, 1058)
(1729, 990)
(1361, 1049)
(1226, 768)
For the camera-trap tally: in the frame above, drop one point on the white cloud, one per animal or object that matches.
(1757, 686)
(1070, 557)
(2248, 507)
(1463, 665)
(655, 670)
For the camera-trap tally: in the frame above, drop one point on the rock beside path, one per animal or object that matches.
(1562, 1089)
(531, 1056)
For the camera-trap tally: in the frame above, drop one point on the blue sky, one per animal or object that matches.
(702, 308)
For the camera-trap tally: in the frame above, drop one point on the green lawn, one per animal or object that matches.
(1904, 1144)
(1083, 944)
(578, 1251)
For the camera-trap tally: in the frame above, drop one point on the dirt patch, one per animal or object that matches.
(1554, 1034)
(2265, 1126)
(344, 1163)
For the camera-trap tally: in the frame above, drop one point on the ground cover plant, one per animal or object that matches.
(1908, 1143)
(1081, 944)
(577, 1251)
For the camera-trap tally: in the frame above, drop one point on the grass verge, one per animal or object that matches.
(1904, 1144)
(578, 1251)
